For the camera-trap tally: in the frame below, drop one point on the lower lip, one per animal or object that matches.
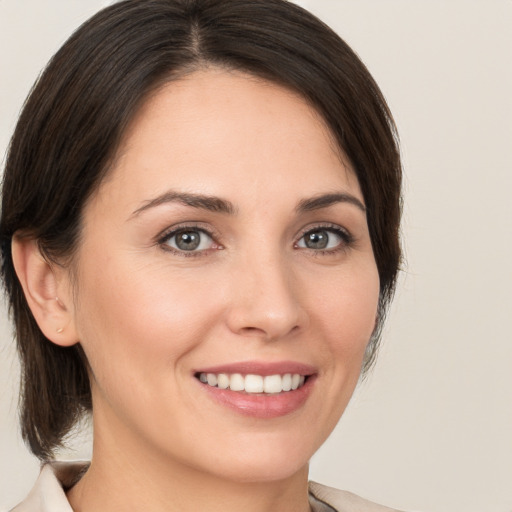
(260, 405)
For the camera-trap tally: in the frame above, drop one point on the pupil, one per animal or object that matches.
(188, 240)
(317, 240)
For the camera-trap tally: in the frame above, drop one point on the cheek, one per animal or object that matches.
(143, 316)
(346, 309)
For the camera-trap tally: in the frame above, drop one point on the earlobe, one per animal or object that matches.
(47, 291)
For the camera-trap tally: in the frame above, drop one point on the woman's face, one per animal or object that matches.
(229, 243)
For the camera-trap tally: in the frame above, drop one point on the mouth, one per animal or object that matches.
(257, 389)
(253, 383)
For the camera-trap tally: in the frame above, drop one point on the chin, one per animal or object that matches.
(261, 459)
(269, 471)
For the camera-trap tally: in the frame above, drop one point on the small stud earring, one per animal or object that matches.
(60, 330)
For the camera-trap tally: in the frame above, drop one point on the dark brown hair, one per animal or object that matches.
(76, 114)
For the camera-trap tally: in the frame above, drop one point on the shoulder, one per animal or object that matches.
(48, 493)
(344, 501)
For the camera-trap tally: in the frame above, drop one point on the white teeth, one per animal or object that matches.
(287, 382)
(222, 381)
(254, 383)
(237, 382)
(273, 384)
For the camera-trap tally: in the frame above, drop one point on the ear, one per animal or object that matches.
(47, 290)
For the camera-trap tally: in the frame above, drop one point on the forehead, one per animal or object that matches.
(215, 128)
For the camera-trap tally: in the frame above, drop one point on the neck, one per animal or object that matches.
(136, 479)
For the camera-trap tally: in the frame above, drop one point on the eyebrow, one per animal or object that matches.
(210, 203)
(219, 205)
(326, 200)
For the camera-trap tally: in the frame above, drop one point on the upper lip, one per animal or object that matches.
(261, 368)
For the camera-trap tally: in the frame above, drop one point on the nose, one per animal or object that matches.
(265, 302)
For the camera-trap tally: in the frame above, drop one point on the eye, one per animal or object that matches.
(324, 239)
(189, 240)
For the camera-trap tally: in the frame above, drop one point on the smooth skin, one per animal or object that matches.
(253, 284)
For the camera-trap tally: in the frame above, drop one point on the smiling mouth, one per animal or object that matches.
(252, 383)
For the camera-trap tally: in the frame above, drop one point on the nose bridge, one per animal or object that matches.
(265, 302)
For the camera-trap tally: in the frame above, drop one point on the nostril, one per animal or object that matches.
(253, 330)
(268, 334)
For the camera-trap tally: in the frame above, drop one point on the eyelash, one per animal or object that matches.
(165, 237)
(346, 237)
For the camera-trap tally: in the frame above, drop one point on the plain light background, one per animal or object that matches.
(431, 429)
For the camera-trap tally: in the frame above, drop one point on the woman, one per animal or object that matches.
(200, 238)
